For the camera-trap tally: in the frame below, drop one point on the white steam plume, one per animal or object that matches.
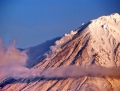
(10, 59)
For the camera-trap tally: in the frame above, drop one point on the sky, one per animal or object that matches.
(32, 22)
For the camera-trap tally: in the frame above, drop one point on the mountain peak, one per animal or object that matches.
(96, 43)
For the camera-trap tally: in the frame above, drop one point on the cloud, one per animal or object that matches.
(13, 61)
(78, 71)
(11, 58)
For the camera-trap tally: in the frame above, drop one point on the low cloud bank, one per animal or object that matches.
(78, 71)
(13, 61)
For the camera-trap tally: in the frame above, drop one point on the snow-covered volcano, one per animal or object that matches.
(96, 43)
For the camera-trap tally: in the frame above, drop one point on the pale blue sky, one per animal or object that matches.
(32, 22)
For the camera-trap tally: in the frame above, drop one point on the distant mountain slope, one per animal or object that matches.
(95, 43)
(38, 51)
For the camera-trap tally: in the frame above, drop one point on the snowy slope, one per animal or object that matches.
(94, 43)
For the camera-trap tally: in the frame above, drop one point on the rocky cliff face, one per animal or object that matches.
(94, 43)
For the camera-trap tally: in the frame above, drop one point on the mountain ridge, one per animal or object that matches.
(95, 43)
